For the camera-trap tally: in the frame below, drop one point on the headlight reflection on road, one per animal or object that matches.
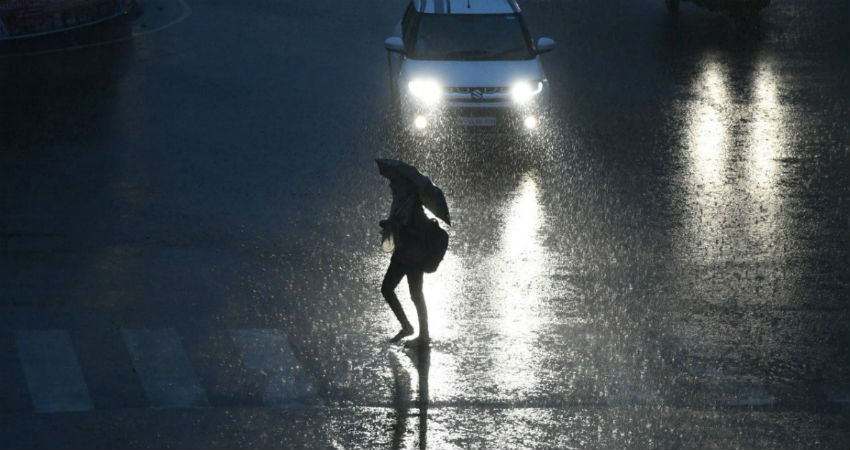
(708, 136)
(707, 146)
(733, 144)
(768, 142)
(444, 295)
(520, 286)
(767, 135)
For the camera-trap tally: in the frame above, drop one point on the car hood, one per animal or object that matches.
(474, 73)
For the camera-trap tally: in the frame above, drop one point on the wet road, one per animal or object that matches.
(189, 243)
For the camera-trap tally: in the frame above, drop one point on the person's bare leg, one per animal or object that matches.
(415, 281)
(395, 272)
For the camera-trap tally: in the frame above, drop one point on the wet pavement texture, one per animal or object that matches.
(189, 243)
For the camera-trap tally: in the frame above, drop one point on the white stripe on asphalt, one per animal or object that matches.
(163, 368)
(266, 353)
(53, 375)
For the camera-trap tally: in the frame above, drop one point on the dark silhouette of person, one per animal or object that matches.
(405, 227)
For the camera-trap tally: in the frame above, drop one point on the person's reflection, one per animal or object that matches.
(401, 400)
(423, 364)
(421, 358)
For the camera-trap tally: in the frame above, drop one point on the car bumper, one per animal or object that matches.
(474, 116)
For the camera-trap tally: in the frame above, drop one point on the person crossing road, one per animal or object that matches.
(417, 243)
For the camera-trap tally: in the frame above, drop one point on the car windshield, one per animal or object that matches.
(470, 37)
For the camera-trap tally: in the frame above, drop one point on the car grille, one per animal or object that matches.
(483, 90)
(478, 94)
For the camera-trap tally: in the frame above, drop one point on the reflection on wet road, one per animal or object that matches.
(733, 149)
(503, 328)
(517, 272)
(665, 266)
(570, 285)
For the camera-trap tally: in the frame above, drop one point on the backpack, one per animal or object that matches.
(436, 243)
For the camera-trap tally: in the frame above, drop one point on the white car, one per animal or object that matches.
(467, 63)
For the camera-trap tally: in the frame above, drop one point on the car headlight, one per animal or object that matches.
(523, 91)
(427, 91)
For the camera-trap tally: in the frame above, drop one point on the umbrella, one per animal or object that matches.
(431, 196)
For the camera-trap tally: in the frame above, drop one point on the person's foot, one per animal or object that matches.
(419, 342)
(405, 331)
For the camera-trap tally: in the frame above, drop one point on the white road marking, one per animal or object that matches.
(266, 353)
(53, 375)
(163, 368)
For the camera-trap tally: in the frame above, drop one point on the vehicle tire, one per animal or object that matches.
(672, 6)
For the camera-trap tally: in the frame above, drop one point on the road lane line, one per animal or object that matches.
(164, 369)
(53, 375)
(267, 355)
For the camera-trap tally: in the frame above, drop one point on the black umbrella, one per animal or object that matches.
(431, 196)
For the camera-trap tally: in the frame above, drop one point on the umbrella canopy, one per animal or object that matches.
(431, 196)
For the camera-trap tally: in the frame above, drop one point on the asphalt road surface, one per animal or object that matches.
(189, 244)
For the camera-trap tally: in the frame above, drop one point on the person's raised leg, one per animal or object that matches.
(395, 272)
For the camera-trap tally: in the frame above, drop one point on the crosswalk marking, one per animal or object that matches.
(52, 373)
(266, 353)
(163, 368)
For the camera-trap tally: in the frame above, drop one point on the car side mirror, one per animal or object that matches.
(545, 44)
(394, 44)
